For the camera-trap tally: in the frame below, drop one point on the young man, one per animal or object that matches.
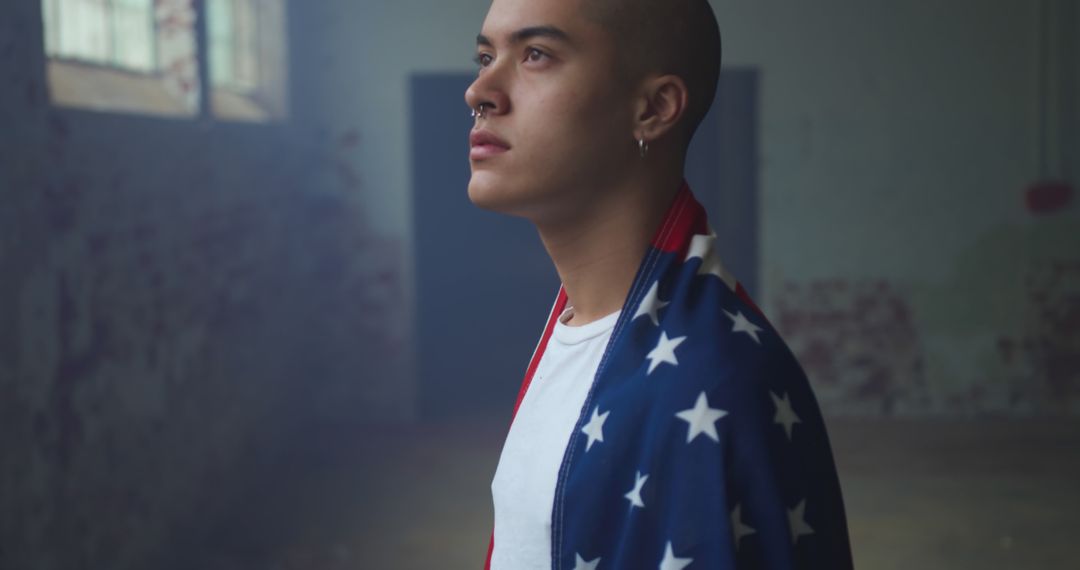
(662, 422)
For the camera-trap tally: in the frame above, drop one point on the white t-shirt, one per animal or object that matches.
(523, 489)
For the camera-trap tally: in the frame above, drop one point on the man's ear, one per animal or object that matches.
(660, 107)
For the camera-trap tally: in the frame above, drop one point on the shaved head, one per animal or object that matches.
(678, 37)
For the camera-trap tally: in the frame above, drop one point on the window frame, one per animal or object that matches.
(204, 111)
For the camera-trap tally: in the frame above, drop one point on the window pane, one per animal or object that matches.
(246, 35)
(248, 69)
(220, 31)
(133, 28)
(49, 14)
(83, 30)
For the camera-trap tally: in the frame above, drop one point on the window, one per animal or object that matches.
(118, 33)
(233, 54)
(247, 58)
(142, 56)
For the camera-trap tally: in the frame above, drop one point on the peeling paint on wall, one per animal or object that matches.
(1049, 355)
(857, 342)
(999, 335)
(180, 304)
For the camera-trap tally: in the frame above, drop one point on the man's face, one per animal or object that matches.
(557, 124)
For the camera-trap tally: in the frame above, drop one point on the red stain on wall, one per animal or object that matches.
(349, 139)
(97, 244)
(347, 175)
(856, 341)
(1047, 358)
(72, 371)
(57, 143)
(58, 128)
(1048, 196)
(62, 204)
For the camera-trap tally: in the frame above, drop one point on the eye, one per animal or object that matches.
(483, 59)
(535, 55)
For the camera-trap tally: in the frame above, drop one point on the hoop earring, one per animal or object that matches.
(643, 147)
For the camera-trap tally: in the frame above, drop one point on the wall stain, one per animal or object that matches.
(1049, 352)
(73, 370)
(857, 342)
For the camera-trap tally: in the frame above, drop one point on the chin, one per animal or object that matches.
(486, 193)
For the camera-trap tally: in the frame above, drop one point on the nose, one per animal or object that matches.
(488, 90)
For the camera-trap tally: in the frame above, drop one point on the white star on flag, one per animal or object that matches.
(581, 564)
(664, 352)
(595, 428)
(797, 522)
(702, 419)
(634, 496)
(742, 324)
(738, 529)
(651, 304)
(703, 246)
(785, 416)
(670, 562)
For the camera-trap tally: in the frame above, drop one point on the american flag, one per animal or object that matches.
(700, 444)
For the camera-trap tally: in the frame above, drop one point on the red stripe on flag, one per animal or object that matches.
(556, 310)
(684, 219)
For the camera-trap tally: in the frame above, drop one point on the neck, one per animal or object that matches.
(597, 250)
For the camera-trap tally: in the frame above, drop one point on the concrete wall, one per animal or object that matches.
(181, 304)
(898, 255)
(367, 51)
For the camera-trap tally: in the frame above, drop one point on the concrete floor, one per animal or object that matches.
(927, 495)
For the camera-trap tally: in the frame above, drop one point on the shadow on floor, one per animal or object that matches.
(926, 494)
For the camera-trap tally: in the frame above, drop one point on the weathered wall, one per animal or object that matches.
(366, 52)
(180, 303)
(899, 256)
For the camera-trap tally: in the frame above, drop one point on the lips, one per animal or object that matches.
(484, 144)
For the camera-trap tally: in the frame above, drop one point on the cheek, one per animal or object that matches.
(604, 114)
(579, 118)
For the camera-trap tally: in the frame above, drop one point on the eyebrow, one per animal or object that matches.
(527, 34)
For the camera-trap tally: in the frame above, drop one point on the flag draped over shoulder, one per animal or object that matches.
(700, 444)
